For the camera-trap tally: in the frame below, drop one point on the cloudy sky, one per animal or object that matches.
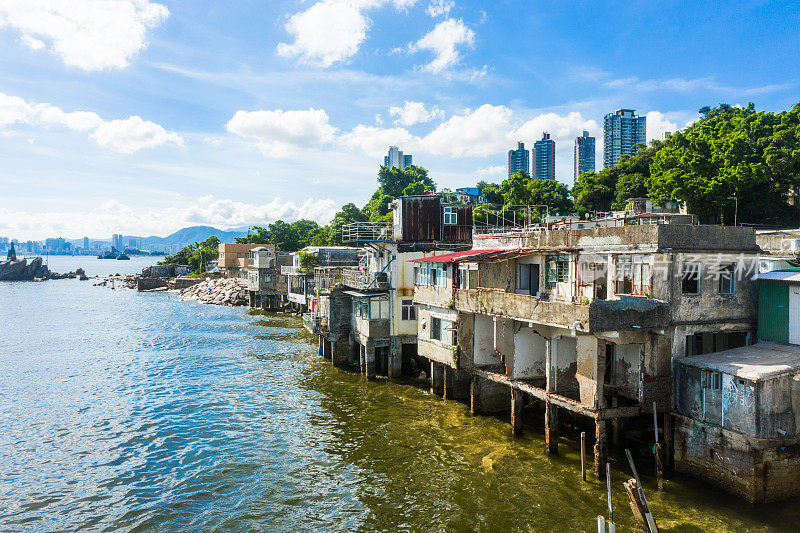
(145, 116)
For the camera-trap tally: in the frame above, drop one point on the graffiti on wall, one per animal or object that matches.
(738, 400)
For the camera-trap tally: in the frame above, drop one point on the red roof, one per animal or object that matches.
(455, 256)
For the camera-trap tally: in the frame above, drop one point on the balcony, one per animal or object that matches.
(376, 328)
(365, 280)
(367, 232)
(627, 313)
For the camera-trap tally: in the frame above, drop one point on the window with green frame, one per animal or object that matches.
(557, 268)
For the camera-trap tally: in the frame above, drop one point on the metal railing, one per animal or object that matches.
(365, 280)
(327, 278)
(367, 232)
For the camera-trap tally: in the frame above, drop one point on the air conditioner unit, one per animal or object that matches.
(790, 245)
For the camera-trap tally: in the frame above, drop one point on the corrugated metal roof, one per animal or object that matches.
(456, 256)
(789, 276)
(488, 255)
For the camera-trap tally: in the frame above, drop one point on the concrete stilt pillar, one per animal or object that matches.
(474, 395)
(516, 411)
(551, 428)
(395, 369)
(321, 349)
(437, 378)
(600, 448)
(362, 359)
(369, 359)
(447, 382)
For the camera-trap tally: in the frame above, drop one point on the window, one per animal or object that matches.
(690, 281)
(710, 379)
(436, 328)
(361, 308)
(416, 275)
(267, 278)
(432, 277)
(727, 279)
(450, 216)
(408, 311)
(557, 270)
(633, 275)
(463, 281)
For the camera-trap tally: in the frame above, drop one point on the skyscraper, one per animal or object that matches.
(116, 241)
(518, 160)
(86, 243)
(544, 158)
(622, 130)
(395, 158)
(584, 154)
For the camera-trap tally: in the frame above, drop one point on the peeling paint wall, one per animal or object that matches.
(530, 352)
(483, 343)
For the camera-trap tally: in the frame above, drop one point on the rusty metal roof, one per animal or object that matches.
(489, 255)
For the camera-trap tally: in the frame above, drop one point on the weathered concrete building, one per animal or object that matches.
(368, 318)
(266, 286)
(737, 411)
(588, 321)
(233, 257)
(300, 277)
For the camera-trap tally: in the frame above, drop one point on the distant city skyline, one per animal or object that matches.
(622, 131)
(584, 154)
(518, 160)
(182, 116)
(543, 157)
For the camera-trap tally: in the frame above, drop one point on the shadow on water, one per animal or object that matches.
(427, 463)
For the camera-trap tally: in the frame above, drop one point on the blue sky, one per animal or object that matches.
(145, 116)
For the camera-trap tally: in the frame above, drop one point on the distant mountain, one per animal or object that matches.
(192, 234)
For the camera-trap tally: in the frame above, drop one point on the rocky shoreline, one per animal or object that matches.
(22, 270)
(222, 291)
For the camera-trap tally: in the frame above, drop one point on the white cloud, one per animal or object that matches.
(374, 141)
(496, 170)
(87, 34)
(132, 134)
(282, 133)
(443, 40)
(331, 31)
(440, 8)
(32, 43)
(414, 113)
(687, 86)
(135, 220)
(124, 136)
(479, 133)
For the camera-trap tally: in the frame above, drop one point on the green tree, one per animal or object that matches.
(196, 255)
(630, 186)
(348, 214)
(551, 193)
(516, 189)
(732, 151)
(393, 181)
(594, 191)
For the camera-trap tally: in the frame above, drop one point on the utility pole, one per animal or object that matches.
(735, 209)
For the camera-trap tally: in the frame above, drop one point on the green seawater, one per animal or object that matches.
(123, 411)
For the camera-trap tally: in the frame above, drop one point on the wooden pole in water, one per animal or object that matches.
(583, 455)
(657, 451)
(648, 516)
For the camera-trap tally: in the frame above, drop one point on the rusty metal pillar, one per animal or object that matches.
(516, 411)
(600, 448)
